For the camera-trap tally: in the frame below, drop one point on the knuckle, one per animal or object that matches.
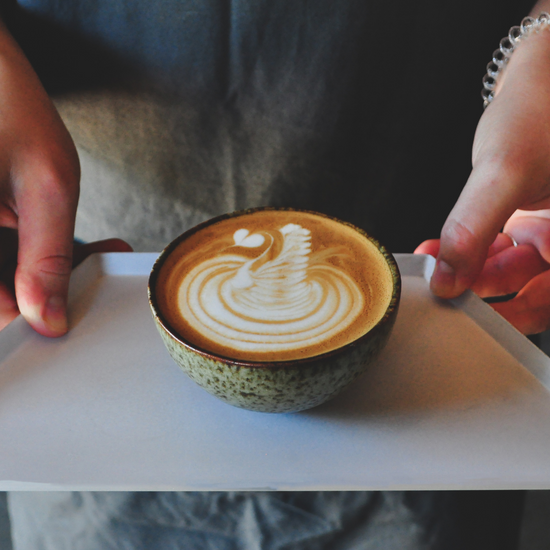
(55, 265)
(58, 182)
(459, 237)
(509, 168)
(503, 164)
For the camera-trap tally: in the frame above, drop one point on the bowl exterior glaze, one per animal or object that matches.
(279, 387)
(286, 386)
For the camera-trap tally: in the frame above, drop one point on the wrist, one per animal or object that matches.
(532, 53)
(527, 42)
(539, 7)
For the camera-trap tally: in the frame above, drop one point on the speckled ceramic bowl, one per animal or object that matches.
(286, 386)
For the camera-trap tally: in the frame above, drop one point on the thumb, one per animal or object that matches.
(486, 202)
(46, 225)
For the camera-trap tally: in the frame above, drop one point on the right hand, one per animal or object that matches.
(39, 188)
(509, 187)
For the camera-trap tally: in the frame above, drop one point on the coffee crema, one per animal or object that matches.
(274, 285)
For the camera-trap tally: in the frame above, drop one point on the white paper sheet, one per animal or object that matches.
(457, 400)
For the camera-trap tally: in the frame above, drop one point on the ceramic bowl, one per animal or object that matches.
(276, 387)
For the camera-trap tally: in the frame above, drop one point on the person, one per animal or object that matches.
(272, 129)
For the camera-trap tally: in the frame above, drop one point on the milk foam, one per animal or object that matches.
(284, 298)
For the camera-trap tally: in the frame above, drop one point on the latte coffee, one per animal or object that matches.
(273, 285)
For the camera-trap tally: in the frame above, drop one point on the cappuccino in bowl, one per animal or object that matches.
(274, 309)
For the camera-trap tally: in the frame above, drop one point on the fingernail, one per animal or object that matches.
(443, 280)
(55, 314)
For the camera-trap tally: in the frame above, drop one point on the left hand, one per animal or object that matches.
(8, 262)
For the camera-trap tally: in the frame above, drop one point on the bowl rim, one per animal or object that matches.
(388, 316)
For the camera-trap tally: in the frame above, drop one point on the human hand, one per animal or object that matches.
(522, 269)
(509, 187)
(39, 186)
(8, 263)
(39, 178)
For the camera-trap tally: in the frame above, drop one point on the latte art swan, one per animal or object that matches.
(283, 298)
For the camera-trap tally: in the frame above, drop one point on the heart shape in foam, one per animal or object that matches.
(242, 238)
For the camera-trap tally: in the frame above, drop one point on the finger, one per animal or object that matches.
(430, 247)
(46, 223)
(487, 201)
(8, 306)
(509, 271)
(502, 242)
(82, 251)
(529, 311)
(531, 228)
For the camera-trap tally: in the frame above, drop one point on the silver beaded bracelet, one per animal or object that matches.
(508, 44)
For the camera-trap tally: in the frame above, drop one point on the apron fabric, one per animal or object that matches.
(182, 110)
(391, 520)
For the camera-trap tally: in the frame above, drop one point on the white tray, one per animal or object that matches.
(458, 400)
